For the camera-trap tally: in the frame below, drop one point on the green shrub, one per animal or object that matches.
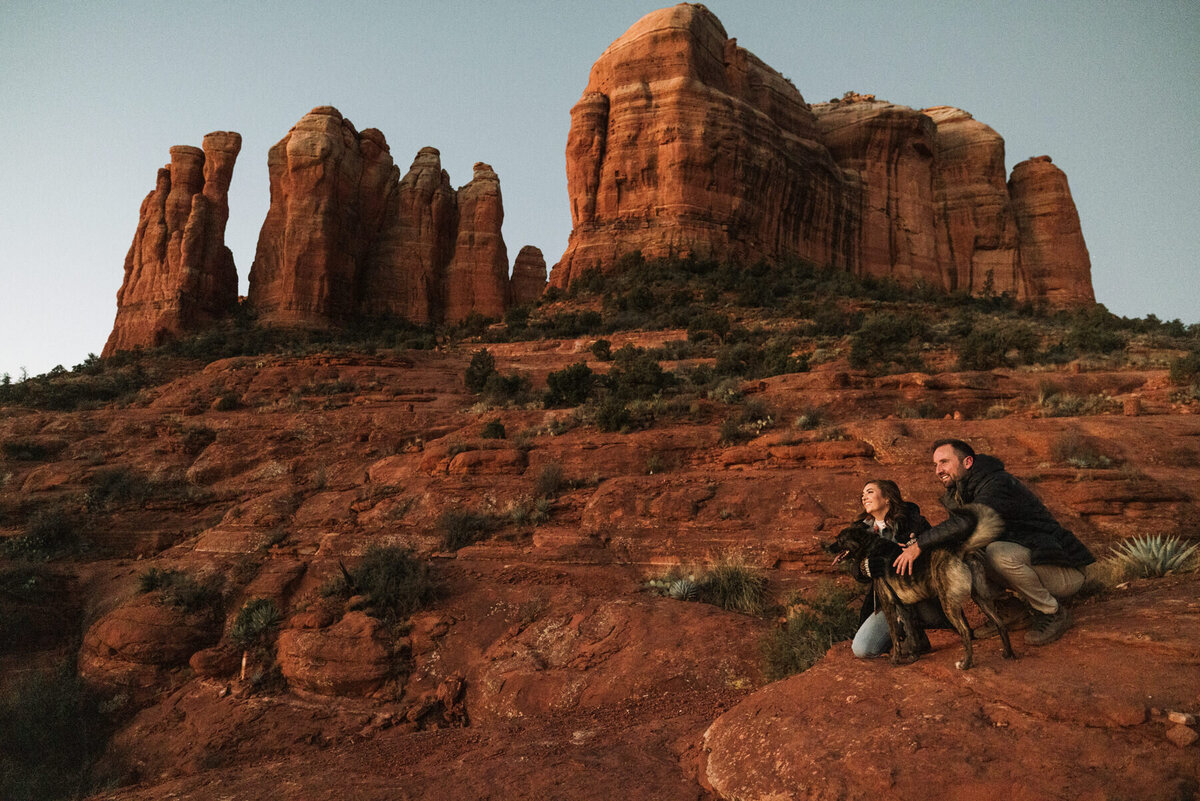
(570, 386)
(1064, 404)
(51, 733)
(733, 585)
(602, 350)
(810, 418)
(887, 338)
(1078, 451)
(636, 375)
(256, 624)
(752, 419)
(612, 415)
(51, 532)
(550, 481)
(493, 429)
(180, 590)
(1156, 556)
(396, 582)
(993, 344)
(1186, 368)
(28, 450)
(505, 389)
(116, 485)
(813, 625)
(461, 528)
(482, 366)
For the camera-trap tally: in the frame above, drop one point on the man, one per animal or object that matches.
(1036, 558)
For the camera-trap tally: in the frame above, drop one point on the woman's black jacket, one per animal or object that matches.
(908, 521)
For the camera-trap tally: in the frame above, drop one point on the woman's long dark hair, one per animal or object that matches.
(891, 493)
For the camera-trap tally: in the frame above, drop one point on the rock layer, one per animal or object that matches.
(684, 144)
(179, 275)
(347, 238)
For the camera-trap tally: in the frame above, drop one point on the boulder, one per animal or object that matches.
(179, 275)
(1054, 256)
(352, 657)
(130, 644)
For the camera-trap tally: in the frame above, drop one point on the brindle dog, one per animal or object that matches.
(949, 574)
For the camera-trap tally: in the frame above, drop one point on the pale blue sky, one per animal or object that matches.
(94, 93)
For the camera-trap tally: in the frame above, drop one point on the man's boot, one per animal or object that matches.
(1048, 628)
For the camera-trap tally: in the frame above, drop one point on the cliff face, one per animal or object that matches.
(179, 275)
(891, 150)
(979, 232)
(684, 143)
(345, 237)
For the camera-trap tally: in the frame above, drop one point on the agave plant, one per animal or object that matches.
(684, 589)
(1157, 555)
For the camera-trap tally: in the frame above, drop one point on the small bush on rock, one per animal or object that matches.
(256, 624)
(482, 365)
(811, 628)
(461, 528)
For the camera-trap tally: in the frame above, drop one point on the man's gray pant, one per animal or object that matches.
(1038, 585)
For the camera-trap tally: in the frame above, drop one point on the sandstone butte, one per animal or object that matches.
(179, 276)
(345, 238)
(684, 143)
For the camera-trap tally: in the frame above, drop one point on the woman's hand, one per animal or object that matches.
(904, 561)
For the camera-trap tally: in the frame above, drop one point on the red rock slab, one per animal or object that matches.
(353, 657)
(1064, 721)
(508, 461)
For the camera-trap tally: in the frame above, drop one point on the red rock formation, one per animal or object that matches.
(477, 277)
(179, 276)
(409, 264)
(979, 233)
(891, 148)
(330, 188)
(528, 276)
(346, 238)
(684, 143)
(1054, 256)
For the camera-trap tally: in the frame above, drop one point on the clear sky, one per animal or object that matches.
(94, 93)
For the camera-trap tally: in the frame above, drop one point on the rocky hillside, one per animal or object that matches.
(419, 562)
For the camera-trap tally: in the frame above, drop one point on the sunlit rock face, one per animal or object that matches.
(179, 275)
(684, 144)
(346, 238)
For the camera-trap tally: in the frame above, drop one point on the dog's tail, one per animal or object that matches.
(988, 527)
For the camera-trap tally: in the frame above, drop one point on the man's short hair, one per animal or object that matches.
(961, 448)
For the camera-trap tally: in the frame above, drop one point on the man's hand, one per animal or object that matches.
(904, 561)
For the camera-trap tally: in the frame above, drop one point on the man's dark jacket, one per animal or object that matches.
(1027, 521)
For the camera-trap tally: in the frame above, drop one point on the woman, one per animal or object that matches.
(885, 510)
